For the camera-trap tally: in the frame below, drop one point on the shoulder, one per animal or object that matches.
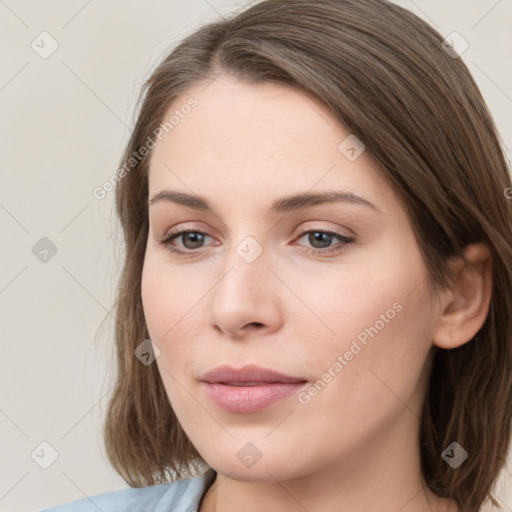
(178, 496)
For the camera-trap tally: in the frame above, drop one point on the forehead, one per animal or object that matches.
(274, 115)
(244, 138)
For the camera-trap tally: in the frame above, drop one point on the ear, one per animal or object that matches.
(465, 306)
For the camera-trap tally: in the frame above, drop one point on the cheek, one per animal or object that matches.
(155, 295)
(378, 301)
(167, 295)
(383, 335)
(173, 302)
(342, 302)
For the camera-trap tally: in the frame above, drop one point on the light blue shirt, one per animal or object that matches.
(178, 496)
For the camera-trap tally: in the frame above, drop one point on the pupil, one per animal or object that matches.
(191, 237)
(321, 237)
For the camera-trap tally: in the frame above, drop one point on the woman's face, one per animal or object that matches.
(269, 284)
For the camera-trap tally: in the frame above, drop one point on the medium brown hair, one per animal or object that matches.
(384, 74)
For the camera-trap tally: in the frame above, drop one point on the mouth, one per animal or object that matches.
(250, 389)
(262, 383)
(248, 376)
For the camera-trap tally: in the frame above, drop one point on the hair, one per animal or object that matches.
(384, 74)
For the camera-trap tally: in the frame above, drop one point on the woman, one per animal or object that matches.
(314, 312)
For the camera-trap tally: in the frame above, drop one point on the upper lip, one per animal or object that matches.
(249, 374)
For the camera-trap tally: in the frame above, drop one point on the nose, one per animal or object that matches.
(246, 298)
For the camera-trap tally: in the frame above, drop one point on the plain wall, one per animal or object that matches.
(64, 122)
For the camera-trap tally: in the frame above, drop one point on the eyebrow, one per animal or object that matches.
(282, 205)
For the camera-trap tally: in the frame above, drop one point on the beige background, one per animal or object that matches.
(64, 122)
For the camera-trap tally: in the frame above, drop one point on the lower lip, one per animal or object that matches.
(249, 399)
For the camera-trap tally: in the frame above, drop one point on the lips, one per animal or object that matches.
(247, 376)
(250, 389)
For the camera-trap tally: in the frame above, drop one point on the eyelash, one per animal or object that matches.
(169, 237)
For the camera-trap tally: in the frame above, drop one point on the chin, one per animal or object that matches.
(268, 468)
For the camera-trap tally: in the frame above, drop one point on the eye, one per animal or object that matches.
(321, 240)
(193, 237)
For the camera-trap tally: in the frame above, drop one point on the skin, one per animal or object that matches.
(355, 445)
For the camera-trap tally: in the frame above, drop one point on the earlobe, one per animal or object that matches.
(466, 305)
